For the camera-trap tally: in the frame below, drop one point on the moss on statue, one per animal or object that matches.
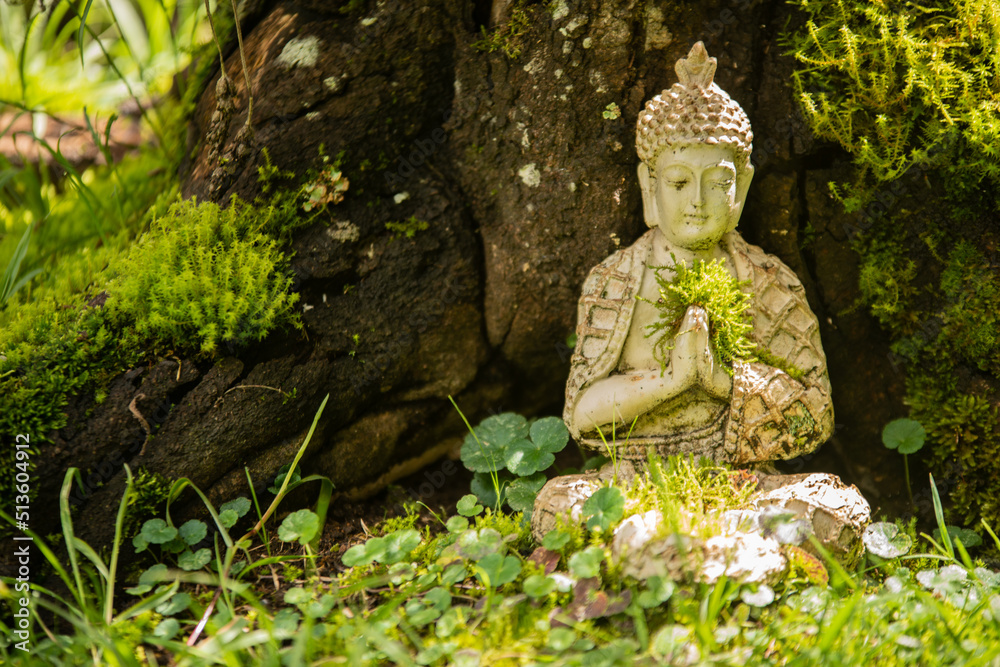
(909, 92)
(710, 286)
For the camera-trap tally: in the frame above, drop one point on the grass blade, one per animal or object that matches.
(837, 623)
(66, 518)
(284, 484)
(939, 515)
(83, 26)
(10, 282)
(109, 599)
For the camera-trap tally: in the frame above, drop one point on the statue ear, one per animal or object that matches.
(647, 184)
(743, 180)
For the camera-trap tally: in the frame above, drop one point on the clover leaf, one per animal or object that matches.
(486, 450)
(156, 531)
(526, 457)
(147, 579)
(906, 435)
(482, 486)
(190, 561)
(477, 544)
(301, 525)
(969, 538)
(167, 628)
(604, 508)
(178, 602)
(398, 546)
(239, 505)
(946, 582)
(555, 539)
(587, 563)
(522, 492)
(457, 524)
(495, 570)
(658, 590)
(298, 596)
(467, 505)
(561, 639)
(885, 541)
(550, 434)
(228, 518)
(539, 585)
(193, 532)
(280, 478)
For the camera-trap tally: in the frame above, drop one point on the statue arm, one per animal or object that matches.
(782, 409)
(622, 397)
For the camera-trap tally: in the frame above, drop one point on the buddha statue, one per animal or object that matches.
(641, 382)
(694, 145)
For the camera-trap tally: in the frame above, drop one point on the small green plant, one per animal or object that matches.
(710, 286)
(892, 83)
(12, 281)
(407, 228)
(507, 36)
(326, 189)
(510, 455)
(907, 437)
(611, 112)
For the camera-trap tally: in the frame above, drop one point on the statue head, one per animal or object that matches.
(694, 143)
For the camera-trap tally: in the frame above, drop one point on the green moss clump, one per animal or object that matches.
(710, 286)
(200, 277)
(897, 83)
(507, 36)
(957, 408)
(204, 277)
(407, 228)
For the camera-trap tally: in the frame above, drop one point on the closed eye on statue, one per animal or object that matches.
(678, 184)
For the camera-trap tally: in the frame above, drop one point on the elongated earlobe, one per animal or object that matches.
(743, 179)
(647, 184)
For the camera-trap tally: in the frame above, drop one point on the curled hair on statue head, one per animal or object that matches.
(694, 111)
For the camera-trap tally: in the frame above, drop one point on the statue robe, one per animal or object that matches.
(771, 415)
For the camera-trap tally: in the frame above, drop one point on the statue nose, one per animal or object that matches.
(696, 199)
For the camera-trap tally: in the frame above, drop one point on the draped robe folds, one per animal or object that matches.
(771, 414)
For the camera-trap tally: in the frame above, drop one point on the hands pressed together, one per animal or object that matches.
(692, 360)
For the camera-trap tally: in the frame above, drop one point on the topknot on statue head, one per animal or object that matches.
(694, 111)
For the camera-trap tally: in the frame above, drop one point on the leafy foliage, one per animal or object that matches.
(508, 442)
(410, 597)
(710, 286)
(506, 37)
(905, 435)
(910, 90)
(896, 84)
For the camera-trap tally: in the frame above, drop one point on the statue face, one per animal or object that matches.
(696, 195)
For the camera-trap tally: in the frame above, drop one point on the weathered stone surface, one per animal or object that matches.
(739, 544)
(837, 513)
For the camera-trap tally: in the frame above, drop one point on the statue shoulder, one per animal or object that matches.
(766, 268)
(619, 265)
